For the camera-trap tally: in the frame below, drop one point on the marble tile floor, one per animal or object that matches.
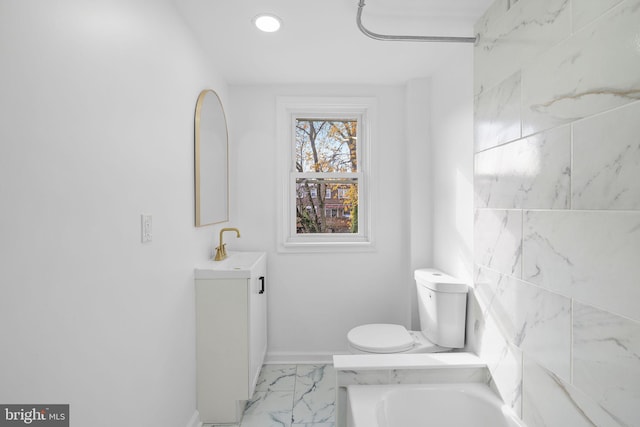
(293, 396)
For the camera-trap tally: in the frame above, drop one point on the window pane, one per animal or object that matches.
(324, 145)
(318, 213)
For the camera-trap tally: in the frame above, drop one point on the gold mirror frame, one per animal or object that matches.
(211, 160)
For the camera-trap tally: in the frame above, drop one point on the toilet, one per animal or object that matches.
(442, 305)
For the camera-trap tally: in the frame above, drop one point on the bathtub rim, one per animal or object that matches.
(376, 393)
(402, 368)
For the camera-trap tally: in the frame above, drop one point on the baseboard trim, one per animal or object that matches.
(195, 420)
(300, 358)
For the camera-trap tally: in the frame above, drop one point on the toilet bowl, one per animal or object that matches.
(387, 338)
(442, 303)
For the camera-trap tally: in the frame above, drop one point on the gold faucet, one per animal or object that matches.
(221, 251)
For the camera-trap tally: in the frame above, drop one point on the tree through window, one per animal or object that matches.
(326, 161)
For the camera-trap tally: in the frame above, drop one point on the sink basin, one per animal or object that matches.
(237, 265)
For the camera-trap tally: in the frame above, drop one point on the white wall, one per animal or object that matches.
(451, 108)
(97, 128)
(419, 181)
(314, 299)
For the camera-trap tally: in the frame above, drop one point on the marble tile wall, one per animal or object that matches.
(606, 160)
(555, 308)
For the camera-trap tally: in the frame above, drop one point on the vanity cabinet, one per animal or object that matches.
(231, 336)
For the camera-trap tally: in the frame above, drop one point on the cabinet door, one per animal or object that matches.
(257, 325)
(222, 353)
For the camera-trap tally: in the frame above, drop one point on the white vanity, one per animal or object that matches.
(231, 334)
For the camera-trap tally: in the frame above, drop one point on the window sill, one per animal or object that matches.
(307, 246)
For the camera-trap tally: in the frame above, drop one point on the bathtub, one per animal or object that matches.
(433, 405)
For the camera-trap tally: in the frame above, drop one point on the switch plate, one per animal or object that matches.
(147, 230)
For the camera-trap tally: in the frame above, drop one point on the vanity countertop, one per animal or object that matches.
(237, 265)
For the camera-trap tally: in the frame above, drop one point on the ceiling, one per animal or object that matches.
(320, 42)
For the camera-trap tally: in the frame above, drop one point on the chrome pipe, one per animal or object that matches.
(399, 38)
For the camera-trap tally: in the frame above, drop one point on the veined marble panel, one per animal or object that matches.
(532, 318)
(497, 114)
(503, 360)
(588, 255)
(482, 28)
(485, 287)
(277, 378)
(493, 14)
(268, 409)
(292, 396)
(606, 160)
(422, 376)
(364, 377)
(411, 376)
(314, 399)
(529, 173)
(475, 314)
(550, 401)
(517, 37)
(585, 12)
(498, 240)
(606, 354)
(597, 69)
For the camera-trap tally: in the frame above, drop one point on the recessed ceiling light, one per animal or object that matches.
(267, 22)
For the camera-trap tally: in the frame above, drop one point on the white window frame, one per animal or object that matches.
(288, 109)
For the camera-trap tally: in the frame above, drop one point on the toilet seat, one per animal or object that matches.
(380, 338)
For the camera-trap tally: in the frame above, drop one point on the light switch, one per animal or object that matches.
(147, 230)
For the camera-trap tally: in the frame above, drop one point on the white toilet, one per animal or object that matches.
(442, 304)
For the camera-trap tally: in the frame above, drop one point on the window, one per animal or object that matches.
(326, 152)
(324, 166)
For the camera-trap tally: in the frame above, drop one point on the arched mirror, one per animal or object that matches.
(211, 160)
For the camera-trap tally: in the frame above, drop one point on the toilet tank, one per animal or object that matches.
(442, 304)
